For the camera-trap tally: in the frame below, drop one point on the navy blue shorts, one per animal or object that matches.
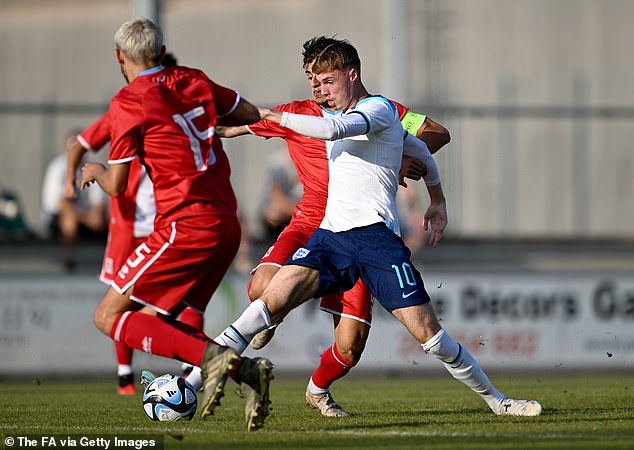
(373, 253)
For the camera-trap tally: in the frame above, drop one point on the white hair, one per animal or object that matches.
(140, 40)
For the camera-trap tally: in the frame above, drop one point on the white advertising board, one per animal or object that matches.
(508, 321)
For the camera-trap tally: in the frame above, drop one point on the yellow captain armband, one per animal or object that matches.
(412, 122)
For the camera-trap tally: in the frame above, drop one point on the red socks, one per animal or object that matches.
(191, 317)
(153, 335)
(124, 354)
(331, 368)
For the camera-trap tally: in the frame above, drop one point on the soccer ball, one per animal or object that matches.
(169, 398)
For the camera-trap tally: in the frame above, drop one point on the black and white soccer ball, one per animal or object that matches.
(169, 398)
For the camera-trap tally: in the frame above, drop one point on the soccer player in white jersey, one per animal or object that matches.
(358, 236)
(352, 310)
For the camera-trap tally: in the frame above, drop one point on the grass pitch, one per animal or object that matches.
(581, 412)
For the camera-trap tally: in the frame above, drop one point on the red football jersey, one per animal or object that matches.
(96, 135)
(131, 214)
(402, 110)
(308, 155)
(134, 211)
(167, 118)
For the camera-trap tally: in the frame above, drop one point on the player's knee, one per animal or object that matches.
(352, 355)
(255, 289)
(101, 321)
(351, 351)
(68, 227)
(261, 279)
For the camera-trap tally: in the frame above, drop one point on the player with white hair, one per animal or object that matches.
(131, 221)
(166, 117)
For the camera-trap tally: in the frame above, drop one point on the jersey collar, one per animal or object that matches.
(150, 71)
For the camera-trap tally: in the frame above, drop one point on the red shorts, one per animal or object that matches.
(355, 304)
(187, 259)
(289, 240)
(119, 246)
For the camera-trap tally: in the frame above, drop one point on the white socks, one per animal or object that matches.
(253, 320)
(195, 378)
(463, 367)
(314, 389)
(237, 335)
(124, 369)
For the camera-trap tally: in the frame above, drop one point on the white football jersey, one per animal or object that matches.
(364, 170)
(145, 211)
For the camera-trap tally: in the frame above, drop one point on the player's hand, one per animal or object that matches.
(435, 221)
(411, 168)
(70, 183)
(264, 113)
(269, 114)
(90, 172)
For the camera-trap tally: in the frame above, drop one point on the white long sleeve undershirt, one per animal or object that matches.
(348, 125)
(416, 148)
(326, 128)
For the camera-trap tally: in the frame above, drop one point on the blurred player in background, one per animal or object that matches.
(352, 311)
(280, 193)
(69, 219)
(166, 117)
(358, 237)
(131, 221)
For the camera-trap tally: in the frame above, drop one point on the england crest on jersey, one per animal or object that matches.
(300, 253)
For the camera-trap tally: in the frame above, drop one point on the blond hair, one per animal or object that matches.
(140, 40)
(339, 55)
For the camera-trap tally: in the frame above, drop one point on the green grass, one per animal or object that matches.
(581, 412)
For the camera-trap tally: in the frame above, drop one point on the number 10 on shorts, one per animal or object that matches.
(405, 272)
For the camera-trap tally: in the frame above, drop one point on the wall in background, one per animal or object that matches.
(536, 94)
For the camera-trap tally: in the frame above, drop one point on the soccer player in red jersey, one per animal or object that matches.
(166, 117)
(352, 311)
(131, 221)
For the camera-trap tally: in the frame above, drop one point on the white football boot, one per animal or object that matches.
(326, 405)
(511, 407)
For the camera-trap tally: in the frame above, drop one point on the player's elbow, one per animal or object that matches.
(332, 135)
(437, 141)
(445, 137)
(244, 114)
(116, 192)
(333, 132)
(434, 135)
(250, 114)
(117, 188)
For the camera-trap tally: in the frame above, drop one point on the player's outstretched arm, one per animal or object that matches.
(433, 134)
(230, 132)
(325, 128)
(270, 114)
(430, 132)
(243, 114)
(112, 180)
